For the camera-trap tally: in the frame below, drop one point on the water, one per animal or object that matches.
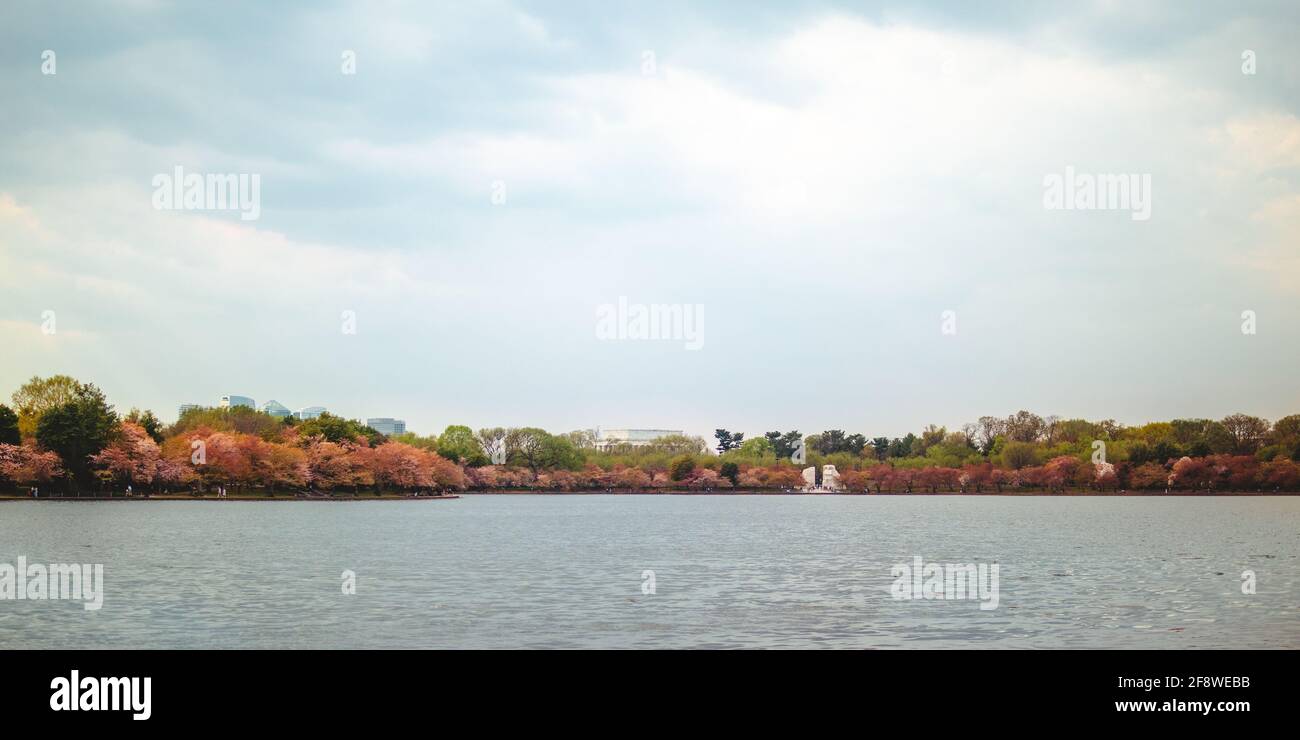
(498, 571)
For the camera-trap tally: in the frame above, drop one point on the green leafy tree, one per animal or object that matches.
(680, 444)
(905, 446)
(727, 440)
(428, 444)
(335, 429)
(537, 450)
(785, 444)
(730, 471)
(559, 453)
(39, 395)
(78, 429)
(1017, 455)
(527, 446)
(240, 419)
(1139, 453)
(681, 467)
(148, 422)
(583, 439)
(757, 449)
(833, 441)
(9, 434)
(1286, 435)
(854, 444)
(458, 444)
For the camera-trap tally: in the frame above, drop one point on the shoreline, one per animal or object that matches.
(526, 492)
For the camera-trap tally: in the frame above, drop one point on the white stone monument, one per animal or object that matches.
(810, 479)
(831, 479)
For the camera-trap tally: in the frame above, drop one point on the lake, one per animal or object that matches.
(555, 571)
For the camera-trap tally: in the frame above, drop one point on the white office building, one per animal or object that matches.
(609, 438)
(311, 412)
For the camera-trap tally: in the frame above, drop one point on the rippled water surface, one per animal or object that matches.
(496, 571)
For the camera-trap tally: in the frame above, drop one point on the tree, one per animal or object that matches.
(1282, 475)
(1060, 471)
(78, 429)
(1017, 455)
(492, 440)
(681, 467)
(903, 447)
(9, 434)
(1139, 453)
(881, 447)
(240, 419)
(329, 464)
(758, 449)
(1149, 475)
(930, 436)
(677, 444)
(774, 439)
(828, 442)
(133, 457)
(1286, 431)
(582, 439)
(633, 479)
(989, 429)
(853, 444)
(785, 444)
(527, 447)
(334, 428)
(400, 466)
(1190, 473)
(428, 444)
(727, 440)
(1248, 432)
(28, 465)
(1163, 452)
(730, 471)
(148, 422)
(559, 453)
(1025, 427)
(39, 395)
(282, 466)
(459, 445)
(538, 450)
(1211, 438)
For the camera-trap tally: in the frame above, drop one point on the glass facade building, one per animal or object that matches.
(386, 426)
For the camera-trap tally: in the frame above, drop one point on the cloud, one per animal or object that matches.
(817, 179)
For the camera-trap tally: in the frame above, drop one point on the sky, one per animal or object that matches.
(818, 184)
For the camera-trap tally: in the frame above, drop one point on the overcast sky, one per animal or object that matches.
(825, 180)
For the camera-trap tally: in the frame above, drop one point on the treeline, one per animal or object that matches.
(63, 435)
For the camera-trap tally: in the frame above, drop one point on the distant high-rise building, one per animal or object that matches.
(387, 427)
(186, 407)
(276, 409)
(311, 412)
(232, 401)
